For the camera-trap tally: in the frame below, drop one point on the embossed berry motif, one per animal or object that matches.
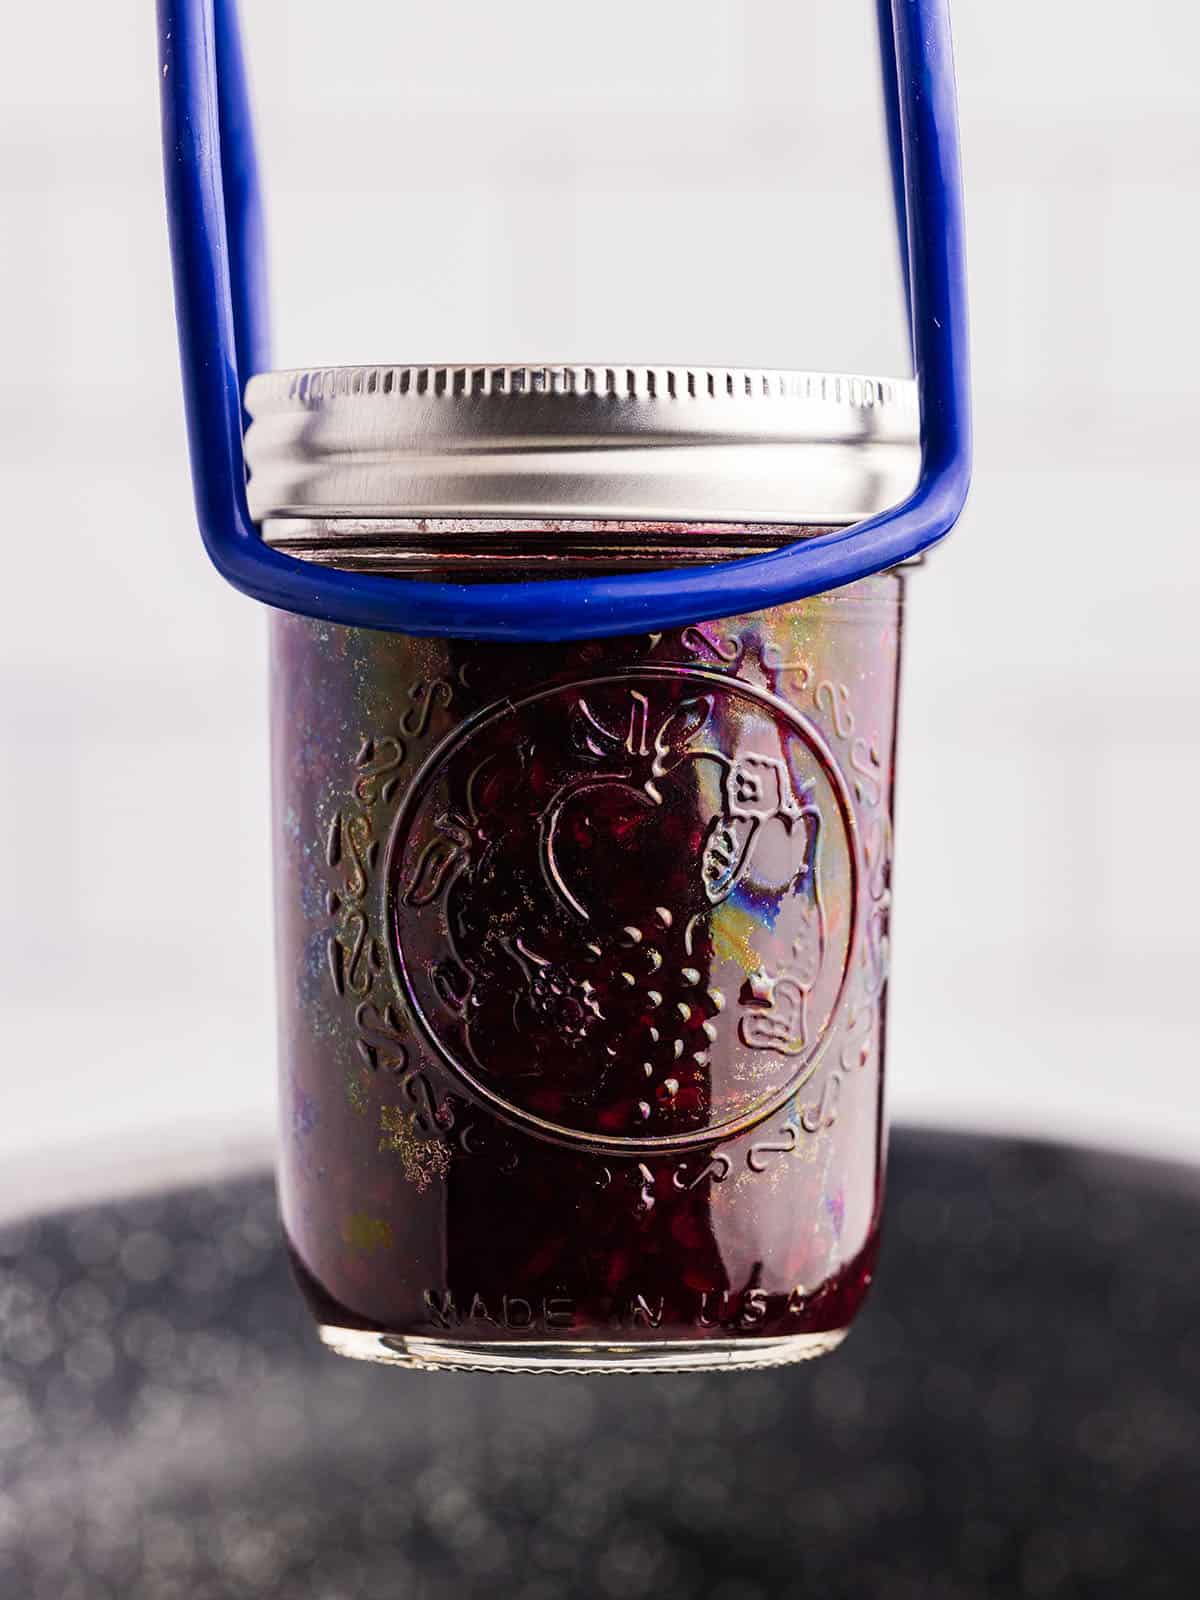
(624, 908)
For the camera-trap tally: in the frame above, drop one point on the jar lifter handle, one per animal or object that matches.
(215, 218)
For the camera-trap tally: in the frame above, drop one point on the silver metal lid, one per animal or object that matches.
(579, 443)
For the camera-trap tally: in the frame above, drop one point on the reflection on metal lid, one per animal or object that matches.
(578, 443)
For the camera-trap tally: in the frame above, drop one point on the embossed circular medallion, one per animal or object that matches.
(624, 908)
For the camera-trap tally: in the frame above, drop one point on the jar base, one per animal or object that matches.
(563, 1356)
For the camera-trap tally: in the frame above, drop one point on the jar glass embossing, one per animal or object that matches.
(582, 946)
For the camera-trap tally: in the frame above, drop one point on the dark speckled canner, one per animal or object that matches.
(582, 947)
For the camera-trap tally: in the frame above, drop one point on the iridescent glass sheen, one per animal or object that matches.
(582, 962)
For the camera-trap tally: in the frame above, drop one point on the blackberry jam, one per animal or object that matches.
(583, 951)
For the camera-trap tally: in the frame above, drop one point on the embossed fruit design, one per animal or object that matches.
(608, 908)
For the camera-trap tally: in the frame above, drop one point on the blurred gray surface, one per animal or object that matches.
(664, 182)
(1016, 1413)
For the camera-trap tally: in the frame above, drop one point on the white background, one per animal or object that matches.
(689, 180)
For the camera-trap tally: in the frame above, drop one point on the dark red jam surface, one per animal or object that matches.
(583, 951)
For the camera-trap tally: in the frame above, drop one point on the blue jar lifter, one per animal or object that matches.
(214, 208)
(584, 689)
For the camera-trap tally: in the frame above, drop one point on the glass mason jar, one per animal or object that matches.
(582, 947)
